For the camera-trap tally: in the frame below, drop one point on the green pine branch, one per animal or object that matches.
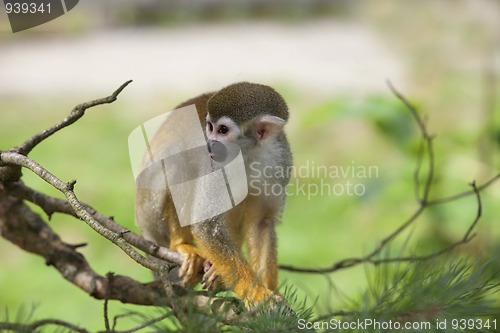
(437, 295)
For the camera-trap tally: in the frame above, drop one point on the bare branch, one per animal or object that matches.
(77, 112)
(21, 226)
(416, 172)
(109, 283)
(147, 323)
(426, 137)
(15, 327)
(50, 205)
(13, 173)
(346, 263)
(81, 211)
(27, 230)
(468, 235)
(423, 201)
(463, 194)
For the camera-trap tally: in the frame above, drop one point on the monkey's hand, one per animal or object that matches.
(192, 265)
(211, 280)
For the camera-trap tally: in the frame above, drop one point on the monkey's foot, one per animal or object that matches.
(210, 279)
(263, 297)
(189, 272)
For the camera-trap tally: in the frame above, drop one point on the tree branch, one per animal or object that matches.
(81, 211)
(15, 327)
(51, 205)
(77, 112)
(21, 226)
(423, 201)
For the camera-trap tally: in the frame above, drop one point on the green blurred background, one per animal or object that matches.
(329, 59)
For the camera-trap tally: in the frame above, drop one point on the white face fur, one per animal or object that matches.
(224, 130)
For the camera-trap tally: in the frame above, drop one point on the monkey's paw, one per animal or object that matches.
(210, 278)
(276, 304)
(263, 298)
(191, 267)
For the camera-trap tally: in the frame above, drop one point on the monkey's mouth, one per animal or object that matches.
(217, 150)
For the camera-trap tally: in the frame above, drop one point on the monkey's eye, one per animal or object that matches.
(210, 126)
(223, 129)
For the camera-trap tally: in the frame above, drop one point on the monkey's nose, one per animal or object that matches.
(216, 150)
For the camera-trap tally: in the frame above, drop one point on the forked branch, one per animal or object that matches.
(426, 150)
(77, 112)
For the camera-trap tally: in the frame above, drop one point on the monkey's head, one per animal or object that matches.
(246, 114)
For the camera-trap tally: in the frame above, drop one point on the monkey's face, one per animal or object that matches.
(221, 134)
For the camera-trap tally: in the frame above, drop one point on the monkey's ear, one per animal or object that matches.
(264, 127)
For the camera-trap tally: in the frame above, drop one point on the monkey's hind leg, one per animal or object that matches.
(229, 264)
(262, 253)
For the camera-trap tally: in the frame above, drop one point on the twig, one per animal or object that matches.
(147, 323)
(416, 172)
(15, 327)
(468, 235)
(427, 138)
(369, 258)
(44, 322)
(463, 194)
(77, 112)
(423, 201)
(109, 283)
(467, 238)
(48, 204)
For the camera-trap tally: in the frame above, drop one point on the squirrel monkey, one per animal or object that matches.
(251, 116)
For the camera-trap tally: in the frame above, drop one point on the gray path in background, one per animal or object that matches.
(321, 57)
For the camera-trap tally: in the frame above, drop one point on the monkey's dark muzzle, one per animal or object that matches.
(217, 151)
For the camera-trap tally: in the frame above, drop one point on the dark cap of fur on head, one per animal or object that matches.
(244, 101)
